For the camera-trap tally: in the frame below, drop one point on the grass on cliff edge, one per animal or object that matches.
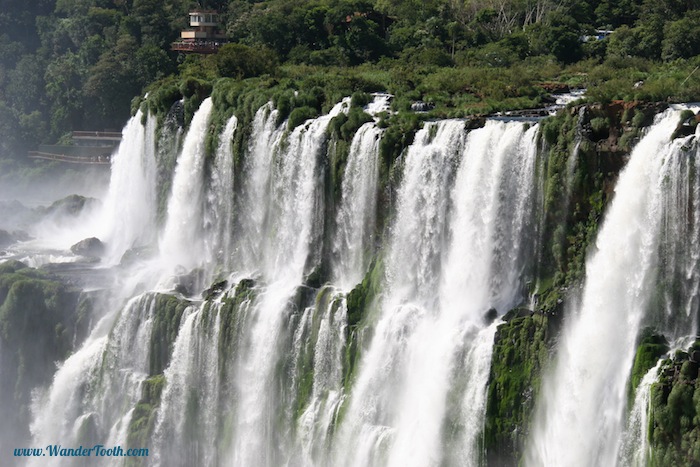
(458, 91)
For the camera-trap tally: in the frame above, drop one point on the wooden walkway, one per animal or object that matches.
(92, 160)
(107, 136)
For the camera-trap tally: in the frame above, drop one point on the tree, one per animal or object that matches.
(682, 37)
(64, 79)
(558, 35)
(241, 61)
(113, 81)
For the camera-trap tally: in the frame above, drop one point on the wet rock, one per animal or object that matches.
(520, 312)
(695, 356)
(6, 238)
(71, 205)
(474, 123)
(132, 255)
(187, 284)
(21, 235)
(316, 278)
(90, 247)
(215, 290)
(420, 106)
(686, 126)
(491, 315)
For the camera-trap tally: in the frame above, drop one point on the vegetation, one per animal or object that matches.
(651, 347)
(586, 148)
(76, 64)
(40, 320)
(166, 323)
(521, 352)
(674, 425)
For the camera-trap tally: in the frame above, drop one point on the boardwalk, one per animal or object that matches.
(92, 160)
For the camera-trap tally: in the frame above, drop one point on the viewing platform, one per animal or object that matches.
(203, 35)
(89, 147)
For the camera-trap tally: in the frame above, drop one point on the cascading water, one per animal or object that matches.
(581, 414)
(293, 213)
(181, 243)
(126, 218)
(399, 404)
(250, 223)
(85, 402)
(269, 369)
(220, 198)
(634, 448)
(129, 213)
(356, 215)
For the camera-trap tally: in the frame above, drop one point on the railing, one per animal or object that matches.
(94, 160)
(202, 47)
(103, 135)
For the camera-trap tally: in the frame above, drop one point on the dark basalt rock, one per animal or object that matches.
(474, 123)
(90, 247)
(420, 106)
(517, 313)
(687, 124)
(70, 205)
(132, 255)
(491, 315)
(187, 284)
(215, 290)
(6, 238)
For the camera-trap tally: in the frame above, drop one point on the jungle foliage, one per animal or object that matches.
(76, 64)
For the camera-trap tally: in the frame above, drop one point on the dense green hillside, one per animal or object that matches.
(76, 64)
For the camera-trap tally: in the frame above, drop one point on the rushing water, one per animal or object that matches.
(181, 243)
(267, 369)
(275, 394)
(220, 198)
(358, 207)
(582, 405)
(399, 403)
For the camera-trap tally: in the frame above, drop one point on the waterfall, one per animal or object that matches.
(581, 409)
(410, 377)
(634, 450)
(127, 218)
(181, 243)
(274, 367)
(293, 214)
(250, 225)
(220, 198)
(320, 338)
(356, 215)
(195, 364)
(89, 391)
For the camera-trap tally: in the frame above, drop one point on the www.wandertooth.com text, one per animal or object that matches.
(98, 450)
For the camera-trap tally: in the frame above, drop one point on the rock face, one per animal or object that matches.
(40, 321)
(70, 205)
(90, 247)
(420, 106)
(5, 238)
(8, 238)
(674, 426)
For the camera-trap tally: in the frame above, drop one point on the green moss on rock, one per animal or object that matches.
(143, 418)
(651, 347)
(166, 324)
(522, 348)
(674, 421)
(38, 327)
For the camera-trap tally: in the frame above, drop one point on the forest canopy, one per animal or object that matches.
(77, 64)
